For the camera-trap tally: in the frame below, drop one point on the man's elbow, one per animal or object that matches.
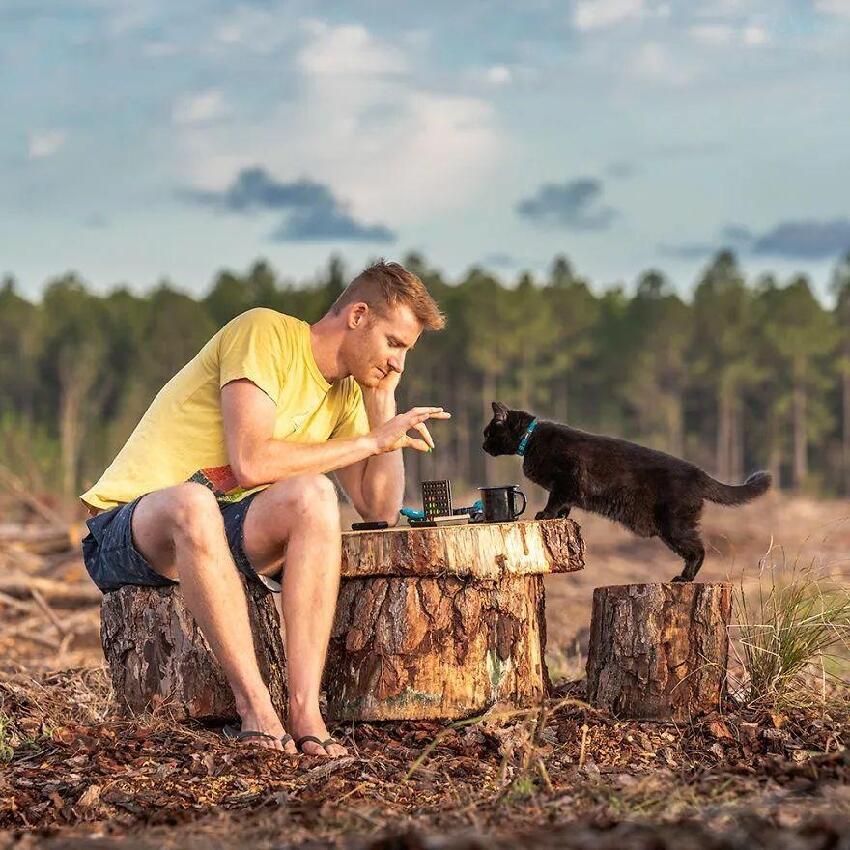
(389, 516)
(246, 474)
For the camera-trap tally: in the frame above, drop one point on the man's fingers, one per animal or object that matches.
(415, 419)
(423, 413)
(419, 445)
(423, 430)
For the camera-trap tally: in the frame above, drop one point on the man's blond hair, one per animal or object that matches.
(384, 285)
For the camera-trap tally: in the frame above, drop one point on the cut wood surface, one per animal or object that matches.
(444, 622)
(659, 651)
(479, 550)
(160, 660)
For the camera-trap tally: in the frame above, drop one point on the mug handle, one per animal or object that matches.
(521, 511)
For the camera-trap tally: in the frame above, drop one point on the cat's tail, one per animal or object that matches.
(736, 494)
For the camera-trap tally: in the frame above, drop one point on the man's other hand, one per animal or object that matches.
(393, 435)
(386, 387)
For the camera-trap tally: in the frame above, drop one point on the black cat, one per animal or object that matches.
(648, 491)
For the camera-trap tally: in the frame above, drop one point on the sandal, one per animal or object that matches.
(237, 735)
(299, 744)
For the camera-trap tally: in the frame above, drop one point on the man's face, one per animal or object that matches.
(377, 345)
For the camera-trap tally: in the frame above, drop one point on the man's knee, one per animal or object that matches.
(310, 495)
(194, 513)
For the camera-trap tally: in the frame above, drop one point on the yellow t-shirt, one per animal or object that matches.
(181, 436)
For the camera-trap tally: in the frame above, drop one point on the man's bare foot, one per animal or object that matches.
(310, 722)
(263, 718)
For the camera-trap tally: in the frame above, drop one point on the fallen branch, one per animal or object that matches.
(16, 486)
(48, 611)
(58, 594)
(39, 539)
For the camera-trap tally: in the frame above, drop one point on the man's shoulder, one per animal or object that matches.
(264, 323)
(267, 315)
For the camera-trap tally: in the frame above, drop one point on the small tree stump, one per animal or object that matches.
(443, 623)
(659, 651)
(160, 660)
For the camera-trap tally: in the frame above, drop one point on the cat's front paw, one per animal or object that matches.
(542, 515)
(680, 578)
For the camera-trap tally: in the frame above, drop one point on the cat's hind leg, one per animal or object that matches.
(687, 545)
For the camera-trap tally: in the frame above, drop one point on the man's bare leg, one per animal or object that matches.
(294, 524)
(180, 533)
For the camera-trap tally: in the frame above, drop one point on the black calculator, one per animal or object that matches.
(437, 498)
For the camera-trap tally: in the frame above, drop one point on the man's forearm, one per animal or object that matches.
(382, 485)
(275, 460)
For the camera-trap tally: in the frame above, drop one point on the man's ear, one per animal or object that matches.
(500, 411)
(358, 314)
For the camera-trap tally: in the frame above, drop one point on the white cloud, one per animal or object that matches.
(361, 124)
(44, 143)
(347, 50)
(654, 63)
(713, 33)
(255, 29)
(834, 7)
(596, 14)
(199, 108)
(718, 35)
(160, 49)
(754, 35)
(498, 75)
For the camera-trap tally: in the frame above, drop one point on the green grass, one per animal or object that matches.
(7, 751)
(793, 634)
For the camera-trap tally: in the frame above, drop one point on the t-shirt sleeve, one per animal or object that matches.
(354, 422)
(250, 346)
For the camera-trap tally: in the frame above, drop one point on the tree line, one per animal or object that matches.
(742, 375)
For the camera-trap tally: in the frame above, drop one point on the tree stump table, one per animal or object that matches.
(659, 651)
(444, 623)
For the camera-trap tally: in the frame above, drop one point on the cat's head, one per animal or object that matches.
(504, 431)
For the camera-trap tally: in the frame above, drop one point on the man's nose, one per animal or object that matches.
(396, 363)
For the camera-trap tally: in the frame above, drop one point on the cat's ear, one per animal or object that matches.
(500, 411)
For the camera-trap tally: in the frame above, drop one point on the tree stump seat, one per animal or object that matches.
(430, 623)
(160, 662)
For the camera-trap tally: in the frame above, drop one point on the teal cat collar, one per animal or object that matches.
(526, 437)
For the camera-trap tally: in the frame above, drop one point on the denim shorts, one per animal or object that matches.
(112, 559)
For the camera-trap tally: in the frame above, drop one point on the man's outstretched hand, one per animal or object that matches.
(393, 435)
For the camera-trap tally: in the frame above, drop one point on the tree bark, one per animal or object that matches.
(488, 395)
(659, 651)
(429, 648)
(801, 441)
(160, 661)
(724, 432)
(444, 623)
(846, 430)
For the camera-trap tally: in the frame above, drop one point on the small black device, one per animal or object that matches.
(437, 498)
(369, 526)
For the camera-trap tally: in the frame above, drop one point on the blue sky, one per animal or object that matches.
(150, 139)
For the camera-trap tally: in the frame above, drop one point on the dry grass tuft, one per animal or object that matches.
(792, 634)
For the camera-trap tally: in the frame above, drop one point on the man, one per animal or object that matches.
(226, 471)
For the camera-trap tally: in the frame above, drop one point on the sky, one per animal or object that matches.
(145, 139)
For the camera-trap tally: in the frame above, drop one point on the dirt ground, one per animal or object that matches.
(73, 775)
